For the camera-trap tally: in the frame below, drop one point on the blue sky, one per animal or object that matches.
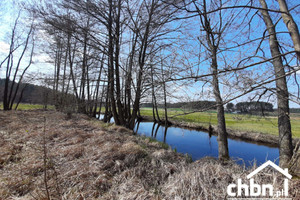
(191, 45)
(8, 14)
(232, 57)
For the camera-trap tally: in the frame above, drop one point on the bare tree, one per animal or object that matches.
(13, 70)
(213, 36)
(284, 124)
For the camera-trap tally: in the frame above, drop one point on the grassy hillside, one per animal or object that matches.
(33, 94)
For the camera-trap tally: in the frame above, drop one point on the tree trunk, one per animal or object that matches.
(213, 40)
(222, 133)
(165, 94)
(153, 95)
(57, 79)
(21, 96)
(117, 73)
(284, 124)
(97, 89)
(142, 57)
(291, 26)
(106, 113)
(137, 100)
(101, 101)
(111, 64)
(71, 59)
(82, 95)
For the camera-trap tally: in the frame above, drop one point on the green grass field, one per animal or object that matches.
(239, 122)
(25, 106)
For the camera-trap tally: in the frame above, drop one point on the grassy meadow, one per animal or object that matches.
(26, 106)
(240, 122)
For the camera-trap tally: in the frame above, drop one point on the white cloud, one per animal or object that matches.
(41, 58)
(4, 47)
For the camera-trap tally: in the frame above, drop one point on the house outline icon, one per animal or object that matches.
(270, 163)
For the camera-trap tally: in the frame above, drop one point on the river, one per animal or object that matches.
(199, 144)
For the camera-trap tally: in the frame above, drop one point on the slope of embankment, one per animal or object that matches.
(45, 154)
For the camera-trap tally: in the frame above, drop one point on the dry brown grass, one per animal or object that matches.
(208, 179)
(87, 159)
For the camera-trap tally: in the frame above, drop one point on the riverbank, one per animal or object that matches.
(50, 154)
(237, 122)
(257, 137)
(262, 138)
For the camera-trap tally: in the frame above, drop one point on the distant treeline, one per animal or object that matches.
(250, 107)
(241, 107)
(294, 110)
(193, 105)
(32, 94)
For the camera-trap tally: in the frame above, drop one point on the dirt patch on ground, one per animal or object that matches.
(44, 153)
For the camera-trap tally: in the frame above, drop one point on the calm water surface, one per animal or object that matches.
(199, 144)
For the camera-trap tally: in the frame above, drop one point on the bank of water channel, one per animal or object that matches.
(199, 144)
